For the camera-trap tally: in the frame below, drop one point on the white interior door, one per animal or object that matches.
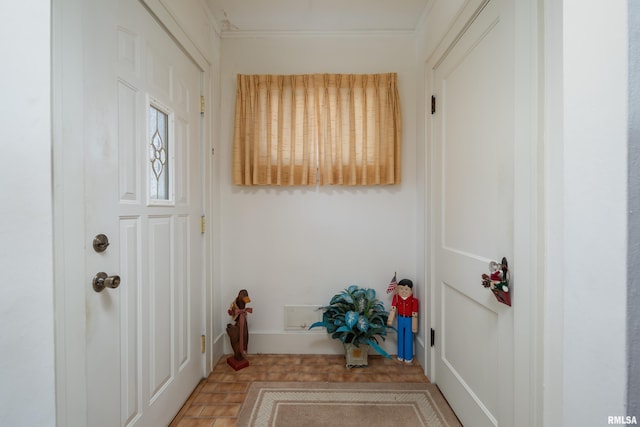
(473, 214)
(143, 178)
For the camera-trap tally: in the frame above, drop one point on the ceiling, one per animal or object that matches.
(316, 15)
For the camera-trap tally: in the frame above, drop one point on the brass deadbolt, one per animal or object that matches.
(100, 243)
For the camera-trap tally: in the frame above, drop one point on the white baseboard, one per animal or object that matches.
(217, 350)
(298, 343)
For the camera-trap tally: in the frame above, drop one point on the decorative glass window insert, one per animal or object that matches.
(158, 154)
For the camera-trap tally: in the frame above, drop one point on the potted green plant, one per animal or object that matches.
(357, 318)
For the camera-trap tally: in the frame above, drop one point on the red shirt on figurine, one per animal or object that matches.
(405, 307)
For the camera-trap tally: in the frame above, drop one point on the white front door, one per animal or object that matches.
(474, 212)
(143, 181)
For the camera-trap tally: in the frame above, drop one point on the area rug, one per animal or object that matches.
(273, 404)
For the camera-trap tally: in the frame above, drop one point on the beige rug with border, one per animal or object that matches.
(287, 404)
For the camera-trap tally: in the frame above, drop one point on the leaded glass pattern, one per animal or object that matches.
(158, 154)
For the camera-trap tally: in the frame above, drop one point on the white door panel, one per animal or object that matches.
(473, 182)
(143, 338)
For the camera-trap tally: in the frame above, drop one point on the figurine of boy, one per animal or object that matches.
(406, 306)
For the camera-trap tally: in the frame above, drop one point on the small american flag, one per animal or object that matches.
(392, 286)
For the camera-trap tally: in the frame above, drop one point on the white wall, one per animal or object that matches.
(26, 292)
(302, 245)
(594, 205)
(586, 143)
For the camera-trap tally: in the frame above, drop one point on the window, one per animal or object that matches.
(335, 129)
(159, 156)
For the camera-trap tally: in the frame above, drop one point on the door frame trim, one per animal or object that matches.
(68, 212)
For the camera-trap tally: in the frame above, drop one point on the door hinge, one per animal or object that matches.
(203, 343)
(202, 224)
(202, 104)
(433, 337)
(433, 104)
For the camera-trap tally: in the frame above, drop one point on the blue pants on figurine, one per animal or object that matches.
(405, 339)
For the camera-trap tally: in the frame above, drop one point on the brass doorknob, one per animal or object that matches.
(102, 280)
